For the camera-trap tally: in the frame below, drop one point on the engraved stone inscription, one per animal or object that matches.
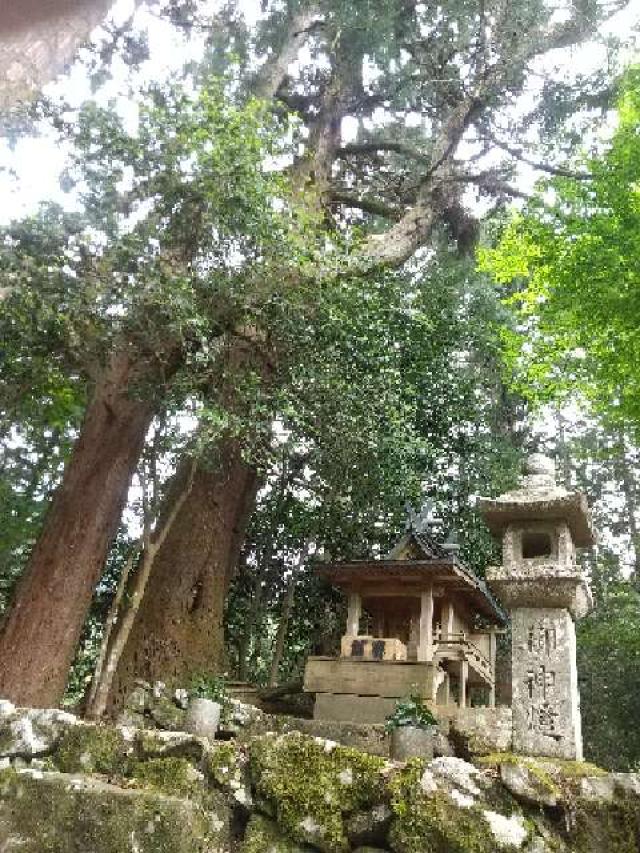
(545, 701)
(542, 708)
(542, 637)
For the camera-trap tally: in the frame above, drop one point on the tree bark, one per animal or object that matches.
(283, 627)
(250, 625)
(625, 474)
(105, 647)
(113, 650)
(179, 629)
(42, 627)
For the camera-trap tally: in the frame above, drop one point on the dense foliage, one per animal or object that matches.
(417, 411)
(574, 253)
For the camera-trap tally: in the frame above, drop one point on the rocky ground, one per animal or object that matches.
(67, 786)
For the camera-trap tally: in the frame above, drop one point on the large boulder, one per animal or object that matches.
(450, 806)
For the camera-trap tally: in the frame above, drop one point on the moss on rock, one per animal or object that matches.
(263, 835)
(557, 767)
(427, 819)
(56, 813)
(170, 775)
(226, 767)
(166, 714)
(92, 749)
(152, 743)
(312, 785)
(601, 826)
(223, 762)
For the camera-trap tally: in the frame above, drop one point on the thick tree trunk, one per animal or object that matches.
(115, 642)
(42, 627)
(179, 628)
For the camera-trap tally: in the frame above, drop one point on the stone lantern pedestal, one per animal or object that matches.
(544, 590)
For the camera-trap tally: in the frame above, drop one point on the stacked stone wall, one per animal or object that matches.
(67, 786)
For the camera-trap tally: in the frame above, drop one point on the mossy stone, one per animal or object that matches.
(92, 749)
(263, 835)
(166, 714)
(170, 775)
(552, 766)
(433, 822)
(313, 785)
(56, 813)
(151, 743)
(222, 763)
(226, 767)
(611, 827)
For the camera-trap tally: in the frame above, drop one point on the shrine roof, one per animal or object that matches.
(403, 575)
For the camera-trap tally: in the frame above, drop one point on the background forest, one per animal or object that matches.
(303, 266)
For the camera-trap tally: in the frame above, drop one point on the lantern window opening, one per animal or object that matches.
(536, 544)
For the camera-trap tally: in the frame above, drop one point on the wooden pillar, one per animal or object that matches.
(447, 621)
(446, 691)
(464, 675)
(492, 659)
(353, 614)
(425, 645)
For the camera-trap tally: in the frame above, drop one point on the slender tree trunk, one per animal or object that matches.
(42, 627)
(105, 646)
(250, 624)
(625, 473)
(179, 628)
(562, 449)
(283, 627)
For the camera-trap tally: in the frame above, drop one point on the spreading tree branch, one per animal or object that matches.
(492, 183)
(365, 203)
(384, 145)
(274, 71)
(520, 155)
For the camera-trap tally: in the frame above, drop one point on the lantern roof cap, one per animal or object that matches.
(539, 498)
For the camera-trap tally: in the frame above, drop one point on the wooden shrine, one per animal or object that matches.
(413, 626)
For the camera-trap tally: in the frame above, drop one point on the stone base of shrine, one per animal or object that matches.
(347, 707)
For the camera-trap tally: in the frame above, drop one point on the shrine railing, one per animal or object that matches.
(470, 650)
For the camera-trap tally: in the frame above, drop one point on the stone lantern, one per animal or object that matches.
(541, 525)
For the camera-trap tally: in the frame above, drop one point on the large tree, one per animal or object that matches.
(415, 79)
(120, 299)
(415, 85)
